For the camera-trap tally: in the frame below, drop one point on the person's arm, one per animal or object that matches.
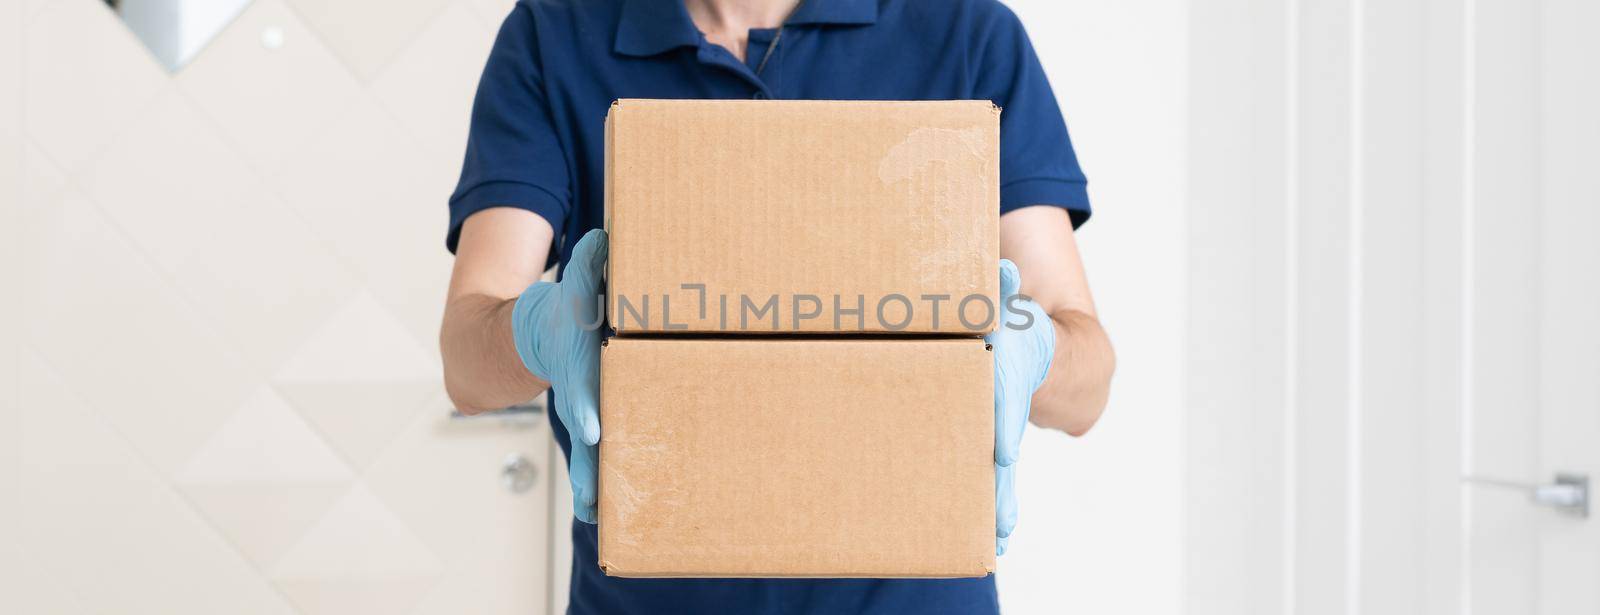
(501, 252)
(1040, 241)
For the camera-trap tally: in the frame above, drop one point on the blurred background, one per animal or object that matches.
(1344, 248)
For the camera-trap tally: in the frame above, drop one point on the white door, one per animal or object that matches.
(1394, 340)
(1533, 404)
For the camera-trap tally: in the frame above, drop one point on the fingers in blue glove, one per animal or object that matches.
(1013, 395)
(580, 291)
(1021, 361)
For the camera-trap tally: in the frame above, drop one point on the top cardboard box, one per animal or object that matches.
(811, 217)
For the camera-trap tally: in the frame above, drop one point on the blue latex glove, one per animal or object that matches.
(556, 328)
(1022, 354)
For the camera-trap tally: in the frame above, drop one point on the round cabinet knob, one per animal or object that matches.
(518, 474)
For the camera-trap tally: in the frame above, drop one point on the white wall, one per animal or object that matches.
(1100, 515)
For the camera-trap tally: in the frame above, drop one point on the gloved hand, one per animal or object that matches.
(1023, 349)
(556, 328)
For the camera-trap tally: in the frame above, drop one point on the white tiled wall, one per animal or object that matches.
(232, 290)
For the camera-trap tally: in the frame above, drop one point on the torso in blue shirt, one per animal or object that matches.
(537, 141)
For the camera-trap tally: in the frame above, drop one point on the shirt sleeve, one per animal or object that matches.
(1037, 163)
(514, 154)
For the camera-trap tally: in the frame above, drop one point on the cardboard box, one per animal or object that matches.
(803, 216)
(796, 458)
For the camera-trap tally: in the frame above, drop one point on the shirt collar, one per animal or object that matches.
(835, 12)
(649, 27)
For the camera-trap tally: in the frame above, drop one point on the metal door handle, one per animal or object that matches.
(1568, 494)
(518, 474)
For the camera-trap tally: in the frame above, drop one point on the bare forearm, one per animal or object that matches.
(1074, 392)
(482, 371)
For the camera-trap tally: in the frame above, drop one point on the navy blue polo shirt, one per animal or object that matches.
(538, 136)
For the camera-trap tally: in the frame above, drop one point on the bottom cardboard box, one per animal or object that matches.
(796, 458)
